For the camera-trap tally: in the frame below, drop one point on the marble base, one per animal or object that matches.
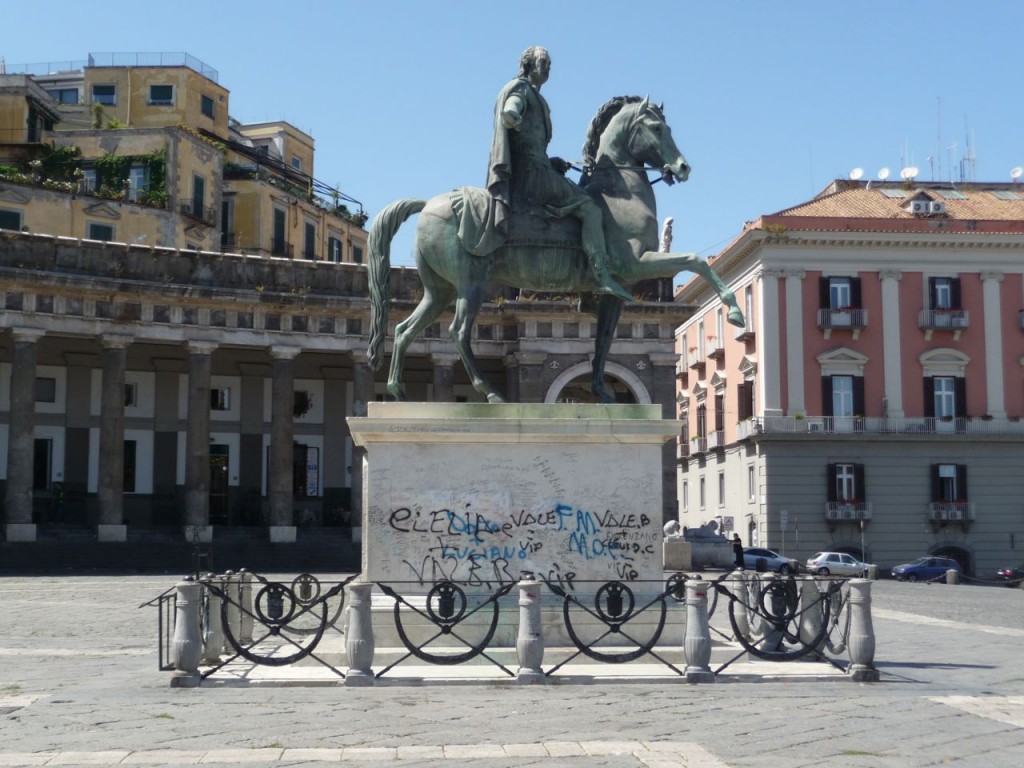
(112, 533)
(282, 534)
(21, 532)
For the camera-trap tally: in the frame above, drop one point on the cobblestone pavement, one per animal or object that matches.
(79, 685)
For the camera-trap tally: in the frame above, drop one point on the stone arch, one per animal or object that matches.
(955, 552)
(623, 374)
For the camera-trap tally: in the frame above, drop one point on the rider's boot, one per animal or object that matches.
(606, 284)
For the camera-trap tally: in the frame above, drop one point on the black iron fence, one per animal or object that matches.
(227, 626)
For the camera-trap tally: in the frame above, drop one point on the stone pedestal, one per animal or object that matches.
(21, 532)
(282, 534)
(491, 493)
(114, 533)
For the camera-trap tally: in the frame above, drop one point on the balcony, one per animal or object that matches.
(714, 349)
(746, 333)
(682, 372)
(839, 511)
(716, 439)
(207, 216)
(846, 318)
(284, 250)
(695, 358)
(942, 513)
(953, 320)
(698, 445)
(747, 429)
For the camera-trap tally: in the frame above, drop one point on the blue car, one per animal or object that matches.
(925, 569)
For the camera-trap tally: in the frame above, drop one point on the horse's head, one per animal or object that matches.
(650, 142)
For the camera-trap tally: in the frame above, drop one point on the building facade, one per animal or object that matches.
(873, 403)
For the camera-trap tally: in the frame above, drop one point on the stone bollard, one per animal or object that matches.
(233, 594)
(213, 639)
(359, 638)
(952, 576)
(810, 614)
(245, 611)
(861, 642)
(872, 573)
(530, 639)
(187, 645)
(697, 639)
(739, 590)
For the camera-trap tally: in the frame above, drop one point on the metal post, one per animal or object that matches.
(245, 610)
(187, 645)
(697, 639)
(213, 640)
(530, 639)
(861, 642)
(359, 646)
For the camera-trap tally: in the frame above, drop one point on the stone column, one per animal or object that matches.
(359, 642)
(362, 393)
(769, 348)
(697, 637)
(891, 356)
(993, 311)
(795, 402)
(187, 645)
(111, 469)
(21, 436)
(861, 640)
(444, 375)
(280, 491)
(197, 442)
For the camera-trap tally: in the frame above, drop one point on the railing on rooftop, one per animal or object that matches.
(880, 425)
(152, 60)
(41, 69)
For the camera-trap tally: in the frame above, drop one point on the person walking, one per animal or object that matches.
(737, 551)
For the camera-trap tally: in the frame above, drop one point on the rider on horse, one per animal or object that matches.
(521, 176)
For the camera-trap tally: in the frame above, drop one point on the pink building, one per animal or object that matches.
(873, 403)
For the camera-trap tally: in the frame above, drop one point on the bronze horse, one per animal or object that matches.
(627, 138)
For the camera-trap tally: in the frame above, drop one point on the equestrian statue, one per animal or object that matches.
(532, 228)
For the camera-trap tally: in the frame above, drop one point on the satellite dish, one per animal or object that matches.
(856, 173)
(909, 173)
(883, 174)
(1016, 173)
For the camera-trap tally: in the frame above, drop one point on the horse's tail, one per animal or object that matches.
(379, 274)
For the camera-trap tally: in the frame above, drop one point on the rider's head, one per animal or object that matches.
(529, 59)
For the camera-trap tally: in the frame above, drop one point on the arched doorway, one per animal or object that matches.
(573, 385)
(961, 555)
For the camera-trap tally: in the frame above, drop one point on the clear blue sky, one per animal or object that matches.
(768, 101)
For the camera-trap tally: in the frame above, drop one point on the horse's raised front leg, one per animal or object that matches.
(655, 264)
(609, 309)
(466, 308)
(427, 311)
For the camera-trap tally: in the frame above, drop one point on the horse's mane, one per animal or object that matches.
(604, 116)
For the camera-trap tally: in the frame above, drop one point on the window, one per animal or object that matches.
(104, 94)
(945, 397)
(702, 493)
(296, 163)
(302, 401)
(840, 292)
(64, 95)
(309, 242)
(721, 489)
(357, 254)
(89, 180)
(10, 219)
(103, 232)
(198, 195)
(334, 250)
(277, 247)
(745, 400)
(702, 421)
(949, 482)
(130, 447)
(42, 464)
(46, 389)
(161, 94)
(220, 398)
(305, 470)
(206, 106)
(138, 179)
(846, 482)
(751, 482)
(842, 398)
(944, 292)
(719, 413)
(686, 495)
(131, 395)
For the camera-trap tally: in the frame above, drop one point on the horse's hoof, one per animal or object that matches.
(494, 397)
(736, 318)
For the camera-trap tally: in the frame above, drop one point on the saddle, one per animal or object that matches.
(526, 227)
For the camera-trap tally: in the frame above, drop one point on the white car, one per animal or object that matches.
(836, 564)
(773, 561)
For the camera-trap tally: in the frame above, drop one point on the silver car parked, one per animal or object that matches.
(836, 564)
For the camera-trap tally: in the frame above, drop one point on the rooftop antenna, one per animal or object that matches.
(856, 173)
(1015, 174)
